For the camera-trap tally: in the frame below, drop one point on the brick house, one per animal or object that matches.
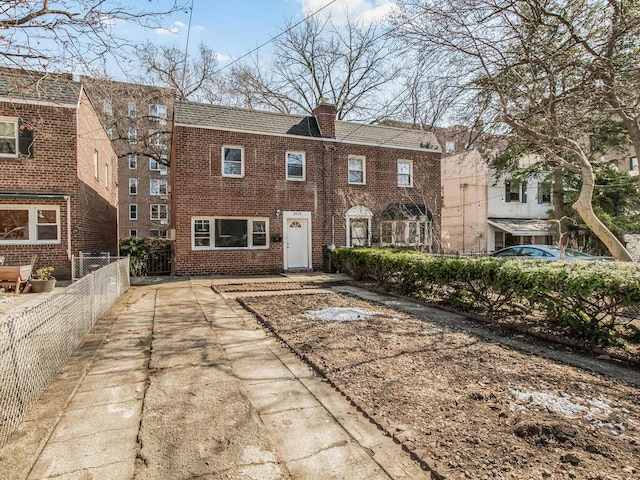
(58, 192)
(256, 192)
(137, 118)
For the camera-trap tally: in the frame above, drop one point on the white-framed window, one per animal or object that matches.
(296, 166)
(405, 173)
(29, 224)
(633, 163)
(158, 140)
(406, 232)
(132, 111)
(8, 137)
(133, 186)
(106, 175)
(232, 161)
(544, 192)
(96, 173)
(515, 191)
(158, 111)
(107, 106)
(357, 170)
(133, 211)
(133, 232)
(109, 130)
(449, 147)
(156, 233)
(157, 187)
(159, 165)
(229, 233)
(133, 161)
(133, 135)
(158, 211)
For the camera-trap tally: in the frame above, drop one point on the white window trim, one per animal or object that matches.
(159, 182)
(133, 157)
(96, 165)
(132, 139)
(131, 232)
(212, 233)
(33, 225)
(153, 161)
(364, 169)
(157, 105)
(304, 166)
(16, 136)
(133, 182)
(241, 161)
(410, 162)
(132, 110)
(159, 209)
(131, 217)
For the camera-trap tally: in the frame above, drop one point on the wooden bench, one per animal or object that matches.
(14, 276)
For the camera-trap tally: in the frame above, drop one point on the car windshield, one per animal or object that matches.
(570, 252)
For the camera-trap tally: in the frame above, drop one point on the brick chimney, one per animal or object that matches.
(325, 114)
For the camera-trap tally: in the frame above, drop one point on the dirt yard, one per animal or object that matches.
(467, 407)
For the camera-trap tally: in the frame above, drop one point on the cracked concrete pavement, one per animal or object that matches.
(179, 382)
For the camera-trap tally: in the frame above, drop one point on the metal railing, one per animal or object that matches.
(36, 343)
(86, 263)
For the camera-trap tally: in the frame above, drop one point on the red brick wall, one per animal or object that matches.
(198, 189)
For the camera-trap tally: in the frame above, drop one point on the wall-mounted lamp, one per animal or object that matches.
(278, 212)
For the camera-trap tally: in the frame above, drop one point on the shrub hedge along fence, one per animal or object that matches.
(596, 301)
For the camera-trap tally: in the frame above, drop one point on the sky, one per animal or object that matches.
(232, 28)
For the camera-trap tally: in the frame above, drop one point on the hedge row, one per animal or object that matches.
(592, 299)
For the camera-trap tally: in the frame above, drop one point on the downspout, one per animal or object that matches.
(68, 199)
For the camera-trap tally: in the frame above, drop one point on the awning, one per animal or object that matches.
(406, 211)
(521, 227)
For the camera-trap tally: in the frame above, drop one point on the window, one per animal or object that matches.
(133, 211)
(295, 166)
(515, 191)
(133, 162)
(405, 173)
(109, 130)
(158, 140)
(357, 170)
(157, 187)
(133, 232)
(157, 111)
(133, 186)
(133, 135)
(95, 164)
(29, 224)
(107, 106)
(544, 192)
(15, 138)
(106, 175)
(158, 211)
(406, 232)
(232, 162)
(212, 233)
(155, 233)
(449, 147)
(633, 163)
(132, 112)
(159, 165)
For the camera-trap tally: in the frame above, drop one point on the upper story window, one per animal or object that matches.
(515, 191)
(16, 138)
(132, 111)
(633, 163)
(107, 106)
(133, 211)
(449, 147)
(133, 161)
(544, 192)
(296, 166)
(95, 164)
(133, 135)
(159, 165)
(106, 175)
(133, 232)
(157, 187)
(232, 161)
(155, 233)
(405, 173)
(357, 170)
(158, 139)
(29, 224)
(158, 111)
(109, 130)
(158, 211)
(133, 186)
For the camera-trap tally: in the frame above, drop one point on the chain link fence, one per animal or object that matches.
(36, 343)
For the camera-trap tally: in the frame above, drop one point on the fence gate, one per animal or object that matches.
(160, 262)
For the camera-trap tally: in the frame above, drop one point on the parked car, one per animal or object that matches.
(545, 252)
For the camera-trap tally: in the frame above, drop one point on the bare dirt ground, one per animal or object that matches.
(464, 406)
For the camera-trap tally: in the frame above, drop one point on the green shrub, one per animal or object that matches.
(140, 251)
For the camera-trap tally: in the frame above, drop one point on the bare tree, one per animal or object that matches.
(349, 65)
(191, 77)
(39, 34)
(529, 66)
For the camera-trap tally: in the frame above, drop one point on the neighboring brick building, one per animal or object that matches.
(255, 192)
(137, 118)
(58, 193)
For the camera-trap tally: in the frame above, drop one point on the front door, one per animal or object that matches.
(359, 234)
(297, 243)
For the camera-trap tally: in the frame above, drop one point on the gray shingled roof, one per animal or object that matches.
(35, 86)
(269, 123)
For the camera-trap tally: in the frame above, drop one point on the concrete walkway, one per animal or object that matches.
(178, 382)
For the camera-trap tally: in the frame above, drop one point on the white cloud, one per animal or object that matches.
(175, 28)
(223, 58)
(368, 11)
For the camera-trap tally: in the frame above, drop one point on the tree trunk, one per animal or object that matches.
(585, 209)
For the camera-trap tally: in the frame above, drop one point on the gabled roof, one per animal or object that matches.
(38, 87)
(219, 117)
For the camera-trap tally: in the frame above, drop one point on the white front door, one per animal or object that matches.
(297, 243)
